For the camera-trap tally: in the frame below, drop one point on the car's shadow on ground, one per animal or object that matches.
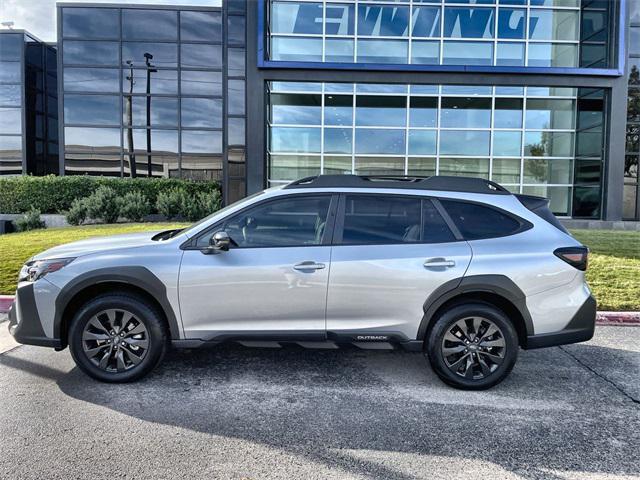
(330, 406)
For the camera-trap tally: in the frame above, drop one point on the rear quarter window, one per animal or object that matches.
(476, 221)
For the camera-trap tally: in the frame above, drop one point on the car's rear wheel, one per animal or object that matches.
(472, 346)
(117, 337)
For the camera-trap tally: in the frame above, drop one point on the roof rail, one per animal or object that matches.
(409, 182)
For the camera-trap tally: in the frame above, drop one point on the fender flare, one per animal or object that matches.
(496, 284)
(136, 276)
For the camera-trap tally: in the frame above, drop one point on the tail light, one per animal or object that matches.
(577, 257)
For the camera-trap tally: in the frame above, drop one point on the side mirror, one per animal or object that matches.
(219, 242)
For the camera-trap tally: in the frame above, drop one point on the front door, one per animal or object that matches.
(390, 253)
(272, 281)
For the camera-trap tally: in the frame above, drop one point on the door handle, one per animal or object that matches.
(439, 262)
(308, 265)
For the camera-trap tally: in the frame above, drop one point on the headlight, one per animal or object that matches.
(35, 270)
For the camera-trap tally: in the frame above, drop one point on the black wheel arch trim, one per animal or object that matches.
(500, 285)
(136, 276)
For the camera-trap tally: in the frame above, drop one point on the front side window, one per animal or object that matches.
(476, 221)
(287, 222)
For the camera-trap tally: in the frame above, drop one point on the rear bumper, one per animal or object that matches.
(579, 329)
(24, 321)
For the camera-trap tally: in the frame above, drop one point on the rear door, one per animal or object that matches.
(390, 253)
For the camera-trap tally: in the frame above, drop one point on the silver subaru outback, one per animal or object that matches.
(458, 268)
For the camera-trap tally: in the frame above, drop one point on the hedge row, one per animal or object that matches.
(53, 194)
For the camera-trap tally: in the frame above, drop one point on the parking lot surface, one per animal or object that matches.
(233, 412)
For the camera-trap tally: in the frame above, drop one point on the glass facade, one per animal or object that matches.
(28, 105)
(146, 89)
(512, 33)
(538, 140)
(631, 192)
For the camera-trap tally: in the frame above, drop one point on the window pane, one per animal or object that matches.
(293, 167)
(464, 142)
(10, 95)
(506, 170)
(164, 54)
(508, 113)
(425, 53)
(163, 112)
(293, 17)
(435, 229)
(199, 55)
(337, 140)
(82, 139)
(383, 21)
(467, 53)
(426, 22)
(283, 222)
(381, 219)
(338, 110)
(340, 19)
(147, 24)
(236, 95)
(424, 111)
(548, 144)
(478, 221)
(201, 167)
(235, 62)
(200, 26)
(381, 111)
(10, 72)
(338, 50)
(236, 131)
(382, 51)
(10, 120)
(553, 55)
(290, 139)
(201, 112)
(468, 22)
(209, 142)
(469, 112)
(510, 54)
(235, 30)
(550, 113)
(464, 167)
(162, 81)
(380, 88)
(507, 144)
(540, 170)
(558, 197)
(296, 108)
(296, 49)
(511, 22)
(423, 167)
(337, 165)
(379, 165)
(11, 46)
(422, 142)
(90, 53)
(161, 141)
(201, 83)
(92, 109)
(374, 140)
(91, 80)
(553, 25)
(90, 23)
(92, 164)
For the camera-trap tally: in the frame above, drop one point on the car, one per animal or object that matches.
(458, 268)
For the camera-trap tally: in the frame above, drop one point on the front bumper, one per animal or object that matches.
(24, 321)
(580, 329)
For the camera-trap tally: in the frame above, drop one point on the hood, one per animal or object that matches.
(99, 244)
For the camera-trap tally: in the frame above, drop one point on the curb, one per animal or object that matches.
(602, 318)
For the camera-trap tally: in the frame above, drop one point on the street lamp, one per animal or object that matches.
(150, 68)
(129, 114)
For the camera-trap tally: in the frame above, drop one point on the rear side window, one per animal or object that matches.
(480, 221)
(392, 219)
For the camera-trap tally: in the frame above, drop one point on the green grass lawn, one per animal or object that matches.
(614, 264)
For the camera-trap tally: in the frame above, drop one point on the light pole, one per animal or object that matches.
(150, 68)
(129, 113)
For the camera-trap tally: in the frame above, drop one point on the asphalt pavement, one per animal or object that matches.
(234, 412)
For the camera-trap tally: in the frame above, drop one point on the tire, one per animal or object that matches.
(468, 361)
(133, 349)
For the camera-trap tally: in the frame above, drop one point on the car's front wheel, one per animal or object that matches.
(117, 337)
(472, 346)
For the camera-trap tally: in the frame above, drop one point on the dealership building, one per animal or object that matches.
(542, 96)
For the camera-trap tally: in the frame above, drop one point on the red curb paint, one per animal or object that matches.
(602, 318)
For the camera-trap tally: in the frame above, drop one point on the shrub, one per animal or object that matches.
(29, 221)
(103, 204)
(77, 214)
(195, 207)
(134, 206)
(169, 203)
(53, 194)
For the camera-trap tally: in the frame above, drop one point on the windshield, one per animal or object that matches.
(193, 227)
